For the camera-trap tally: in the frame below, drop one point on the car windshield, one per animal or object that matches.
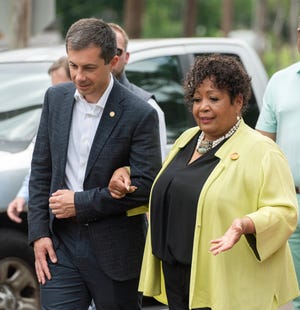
(22, 89)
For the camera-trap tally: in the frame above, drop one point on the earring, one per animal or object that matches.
(238, 117)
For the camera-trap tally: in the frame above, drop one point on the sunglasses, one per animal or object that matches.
(119, 52)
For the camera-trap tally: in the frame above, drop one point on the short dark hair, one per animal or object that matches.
(226, 73)
(92, 32)
(61, 62)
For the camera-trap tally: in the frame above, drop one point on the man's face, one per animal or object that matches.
(123, 56)
(89, 72)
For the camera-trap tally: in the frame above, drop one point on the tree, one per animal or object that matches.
(21, 22)
(133, 17)
(227, 17)
(293, 22)
(190, 18)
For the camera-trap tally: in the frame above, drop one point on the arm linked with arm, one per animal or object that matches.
(144, 161)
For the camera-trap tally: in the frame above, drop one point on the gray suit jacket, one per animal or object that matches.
(127, 135)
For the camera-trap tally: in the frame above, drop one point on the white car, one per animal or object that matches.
(158, 66)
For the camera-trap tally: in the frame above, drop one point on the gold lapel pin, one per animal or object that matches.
(112, 113)
(234, 156)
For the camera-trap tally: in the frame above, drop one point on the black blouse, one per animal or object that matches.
(174, 203)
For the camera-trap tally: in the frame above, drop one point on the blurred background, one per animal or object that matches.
(268, 25)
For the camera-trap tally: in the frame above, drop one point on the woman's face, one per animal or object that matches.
(213, 110)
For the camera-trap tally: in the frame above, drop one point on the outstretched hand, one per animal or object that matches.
(232, 235)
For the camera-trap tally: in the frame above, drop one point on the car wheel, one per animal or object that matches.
(19, 288)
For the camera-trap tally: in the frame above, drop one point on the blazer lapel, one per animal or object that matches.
(66, 112)
(110, 117)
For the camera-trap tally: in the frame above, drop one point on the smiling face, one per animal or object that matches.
(214, 111)
(89, 72)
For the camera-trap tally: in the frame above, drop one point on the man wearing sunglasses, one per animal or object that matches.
(118, 71)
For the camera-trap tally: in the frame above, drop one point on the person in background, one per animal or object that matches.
(222, 207)
(59, 73)
(87, 244)
(279, 120)
(118, 71)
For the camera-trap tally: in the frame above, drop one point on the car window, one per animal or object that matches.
(22, 89)
(163, 77)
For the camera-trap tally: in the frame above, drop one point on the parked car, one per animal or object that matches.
(158, 66)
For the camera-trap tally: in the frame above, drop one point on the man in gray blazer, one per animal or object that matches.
(88, 245)
(118, 71)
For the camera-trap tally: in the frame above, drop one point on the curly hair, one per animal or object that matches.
(226, 73)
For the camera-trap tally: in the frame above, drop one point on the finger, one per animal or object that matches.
(39, 273)
(127, 184)
(52, 255)
(132, 189)
(15, 218)
(216, 241)
(215, 248)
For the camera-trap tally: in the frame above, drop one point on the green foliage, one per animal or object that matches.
(69, 11)
(275, 60)
(164, 18)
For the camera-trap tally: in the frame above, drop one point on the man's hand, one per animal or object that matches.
(43, 248)
(62, 204)
(15, 208)
(120, 183)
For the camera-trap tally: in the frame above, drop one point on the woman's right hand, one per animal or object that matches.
(120, 183)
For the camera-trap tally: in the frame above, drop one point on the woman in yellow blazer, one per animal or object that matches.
(222, 207)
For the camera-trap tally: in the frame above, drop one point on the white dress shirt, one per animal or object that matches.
(85, 121)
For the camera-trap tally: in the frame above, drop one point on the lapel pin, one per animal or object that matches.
(234, 156)
(112, 113)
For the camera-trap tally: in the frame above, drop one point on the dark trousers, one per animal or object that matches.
(77, 277)
(177, 282)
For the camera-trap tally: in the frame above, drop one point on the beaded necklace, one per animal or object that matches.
(204, 146)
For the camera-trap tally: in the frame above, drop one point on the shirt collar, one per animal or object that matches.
(96, 107)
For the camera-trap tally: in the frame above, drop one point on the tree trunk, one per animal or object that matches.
(277, 30)
(227, 9)
(133, 17)
(260, 24)
(190, 18)
(21, 22)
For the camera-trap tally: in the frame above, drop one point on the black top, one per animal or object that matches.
(174, 203)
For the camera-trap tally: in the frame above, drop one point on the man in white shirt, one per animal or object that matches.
(87, 244)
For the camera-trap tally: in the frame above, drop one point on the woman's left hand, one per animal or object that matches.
(232, 235)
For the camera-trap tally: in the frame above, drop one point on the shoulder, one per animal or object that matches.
(282, 74)
(250, 140)
(62, 88)
(129, 99)
(140, 92)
